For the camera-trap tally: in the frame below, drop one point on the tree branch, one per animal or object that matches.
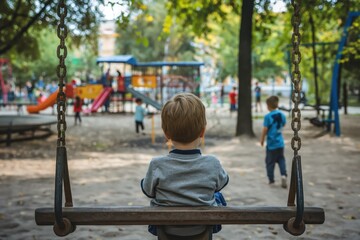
(13, 17)
(24, 29)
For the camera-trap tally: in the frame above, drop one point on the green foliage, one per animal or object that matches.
(145, 39)
(45, 65)
(24, 68)
(329, 18)
(266, 69)
(224, 43)
(221, 32)
(351, 54)
(28, 37)
(198, 14)
(22, 21)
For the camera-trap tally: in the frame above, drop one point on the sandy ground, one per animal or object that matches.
(107, 160)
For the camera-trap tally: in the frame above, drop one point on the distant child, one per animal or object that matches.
(78, 109)
(214, 100)
(184, 177)
(140, 113)
(274, 122)
(257, 97)
(233, 99)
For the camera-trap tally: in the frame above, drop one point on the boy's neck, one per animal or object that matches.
(187, 146)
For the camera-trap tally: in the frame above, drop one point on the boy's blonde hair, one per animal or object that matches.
(272, 102)
(183, 118)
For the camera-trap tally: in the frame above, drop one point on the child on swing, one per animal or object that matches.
(184, 177)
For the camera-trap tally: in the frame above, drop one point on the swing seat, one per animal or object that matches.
(199, 232)
(138, 215)
(317, 122)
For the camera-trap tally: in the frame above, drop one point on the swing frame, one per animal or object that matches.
(65, 219)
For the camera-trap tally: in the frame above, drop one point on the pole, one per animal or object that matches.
(152, 129)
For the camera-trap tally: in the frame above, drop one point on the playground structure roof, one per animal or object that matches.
(171, 64)
(129, 59)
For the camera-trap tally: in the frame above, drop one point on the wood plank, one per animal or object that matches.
(178, 215)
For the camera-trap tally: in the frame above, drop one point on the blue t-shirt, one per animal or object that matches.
(139, 113)
(274, 121)
(257, 91)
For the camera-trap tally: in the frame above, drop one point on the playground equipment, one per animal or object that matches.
(333, 109)
(333, 117)
(64, 219)
(168, 78)
(101, 99)
(160, 78)
(145, 99)
(89, 91)
(22, 128)
(51, 100)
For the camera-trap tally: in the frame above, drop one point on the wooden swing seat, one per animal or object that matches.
(178, 215)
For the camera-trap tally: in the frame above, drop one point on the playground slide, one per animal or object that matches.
(50, 101)
(145, 98)
(100, 100)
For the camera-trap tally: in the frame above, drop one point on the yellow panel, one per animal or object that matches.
(90, 91)
(148, 81)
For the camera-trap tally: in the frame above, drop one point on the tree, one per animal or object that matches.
(244, 123)
(198, 14)
(24, 68)
(144, 37)
(28, 34)
(21, 21)
(351, 58)
(322, 22)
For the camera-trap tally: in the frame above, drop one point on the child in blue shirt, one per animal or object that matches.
(184, 177)
(274, 122)
(140, 113)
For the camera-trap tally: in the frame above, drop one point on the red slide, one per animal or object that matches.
(100, 100)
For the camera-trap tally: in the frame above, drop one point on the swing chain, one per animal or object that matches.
(296, 77)
(61, 52)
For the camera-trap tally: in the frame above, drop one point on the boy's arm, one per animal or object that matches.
(149, 183)
(223, 179)
(263, 134)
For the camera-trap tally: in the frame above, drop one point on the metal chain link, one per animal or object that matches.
(61, 52)
(296, 77)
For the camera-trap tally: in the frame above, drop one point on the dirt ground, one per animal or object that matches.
(107, 160)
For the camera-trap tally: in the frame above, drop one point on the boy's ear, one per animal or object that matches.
(167, 137)
(202, 133)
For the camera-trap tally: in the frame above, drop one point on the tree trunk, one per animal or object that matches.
(317, 97)
(244, 118)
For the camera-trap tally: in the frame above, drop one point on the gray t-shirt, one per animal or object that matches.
(184, 177)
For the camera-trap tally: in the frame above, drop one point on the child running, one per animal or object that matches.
(274, 122)
(140, 113)
(78, 109)
(184, 177)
